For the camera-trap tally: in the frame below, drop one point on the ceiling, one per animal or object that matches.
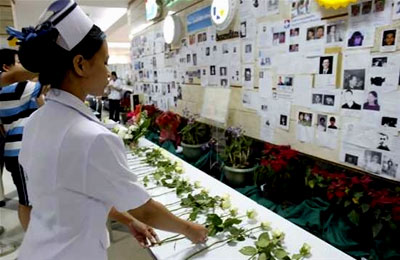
(108, 15)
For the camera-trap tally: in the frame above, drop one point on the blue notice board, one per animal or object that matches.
(199, 19)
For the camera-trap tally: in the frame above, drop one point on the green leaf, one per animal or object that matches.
(264, 238)
(354, 217)
(365, 207)
(248, 250)
(376, 228)
(297, 257)
(193, 215)
(311, 184)
(231, 221)
(214, 219)
(347, 203)
(358, 195)
(262, 256)
(280, 253)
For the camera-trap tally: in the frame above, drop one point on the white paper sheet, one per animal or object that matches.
(215, 104)
(302, 90)
(267, 128)
(265, 84)
(248, 51)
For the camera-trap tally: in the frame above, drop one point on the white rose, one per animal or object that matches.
(266, 225)
(277, 234)
(226, 204)
(122, 132)
(128, 136)
(133, 128)
(251, 214)
(234, 212)
(197, 185)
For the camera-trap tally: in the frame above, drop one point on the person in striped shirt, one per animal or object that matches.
(17, 102)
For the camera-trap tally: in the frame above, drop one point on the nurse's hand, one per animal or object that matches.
(144, 234)
(196, 233)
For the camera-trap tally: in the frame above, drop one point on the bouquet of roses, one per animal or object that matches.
(135, 128)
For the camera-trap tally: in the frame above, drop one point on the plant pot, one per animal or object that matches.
(192, 152)
(239, 177)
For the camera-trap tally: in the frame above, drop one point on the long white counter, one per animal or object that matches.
(294, 239)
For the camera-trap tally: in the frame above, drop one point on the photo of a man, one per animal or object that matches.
(317, 99)
(383, 142)
(389, 38)
(326, 65)
(329, 100)
(351, 159)
(247, 74)
(354, 79)
(332, 123)
(349, 102)
(243, 29)
(283, 120)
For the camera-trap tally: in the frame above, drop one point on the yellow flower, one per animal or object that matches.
(335, 4)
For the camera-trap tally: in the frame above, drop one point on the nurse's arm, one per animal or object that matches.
(156, 215)
(142, 232)
(18, 74)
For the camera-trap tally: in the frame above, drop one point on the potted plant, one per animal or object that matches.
(238, 168)
(169, 122)
(195, 136)
(136, 127)
(281, 174)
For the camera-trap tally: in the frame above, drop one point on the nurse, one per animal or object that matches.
(76, 169)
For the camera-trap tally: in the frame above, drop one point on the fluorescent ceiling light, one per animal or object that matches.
(104, 17)
(120, 45)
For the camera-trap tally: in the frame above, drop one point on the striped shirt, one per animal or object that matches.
(17, 103)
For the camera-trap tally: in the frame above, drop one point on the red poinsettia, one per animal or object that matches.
(151, 110)
(134, 116)
(396, 213)
(169, 123)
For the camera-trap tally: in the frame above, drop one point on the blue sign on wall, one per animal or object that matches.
(199, 19)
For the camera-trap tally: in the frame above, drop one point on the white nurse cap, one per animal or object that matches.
(70, 21)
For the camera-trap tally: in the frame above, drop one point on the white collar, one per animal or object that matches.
(67, 99)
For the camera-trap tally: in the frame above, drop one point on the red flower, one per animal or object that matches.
(355, 180)
(151, 110)
(330, 195)
(135, 115)
(340, 194)
(169, 123)
(396, 213)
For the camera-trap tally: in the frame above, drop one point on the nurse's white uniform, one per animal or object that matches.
(76, 171)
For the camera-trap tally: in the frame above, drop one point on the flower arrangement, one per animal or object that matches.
(152, 113)
(136, 127)
(281, 175)
(194, 132)
(237, 152)
(375, 211)
(169, 123)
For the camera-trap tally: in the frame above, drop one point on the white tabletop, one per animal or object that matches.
(294, 235)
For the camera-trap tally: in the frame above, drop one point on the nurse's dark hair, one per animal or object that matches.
(7, 57)
(44, 56)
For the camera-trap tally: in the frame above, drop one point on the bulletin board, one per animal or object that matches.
(324, 81)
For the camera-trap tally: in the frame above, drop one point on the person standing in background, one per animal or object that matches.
(17, 102)
(115, 96)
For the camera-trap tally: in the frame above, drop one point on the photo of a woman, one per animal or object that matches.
(372, 101)
(356, 39)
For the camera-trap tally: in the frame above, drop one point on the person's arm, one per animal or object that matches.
(18, 74)
(142, 232)
(156, 215)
